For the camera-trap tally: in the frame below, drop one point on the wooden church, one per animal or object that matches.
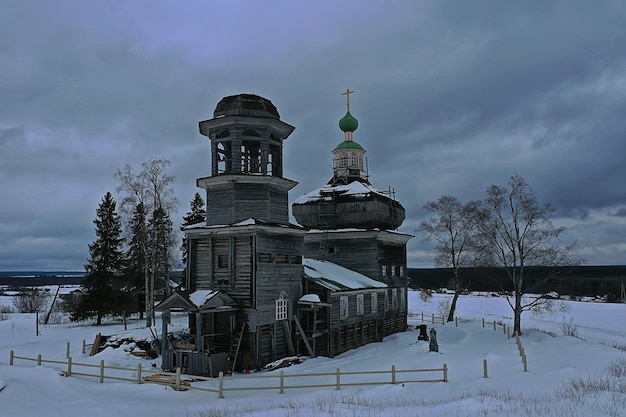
(259, 288)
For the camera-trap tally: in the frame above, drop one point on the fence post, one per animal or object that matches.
(67, 352)
(139, 373)
(102, 371)
(178, 378)
(456, 322)
(494, 325)
(525, 363)
(11, 358)
(485, 373)
(69, 366)
(483, 322)
(422, 316)
(508, 332)
(221, 384)
(503, 328)
(393, 374)
(282, 382)
(521, 352)
(338, 379)
(84, 346)
(433, 318)
(445, 373)
(39, 360)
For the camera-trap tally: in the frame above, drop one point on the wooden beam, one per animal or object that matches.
(303, 335)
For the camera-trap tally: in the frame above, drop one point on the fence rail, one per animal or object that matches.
(177, 380)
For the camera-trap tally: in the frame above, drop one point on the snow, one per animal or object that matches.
(337, 278)
(354, 189)
(558, 366)
(198, 298)
(310, 298)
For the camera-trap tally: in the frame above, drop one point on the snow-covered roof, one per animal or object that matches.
(247, 222)
(354, 189)
(310, 298)
(200, 297)
(336, 277)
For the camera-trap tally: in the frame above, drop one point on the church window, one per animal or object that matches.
(383, 271)
(374, 302)
(401, 270)
(282, 304)
(393, 270)
(343, 307)
(360, 304)
(353, 160)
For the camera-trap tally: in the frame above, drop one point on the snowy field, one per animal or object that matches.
(567, 376)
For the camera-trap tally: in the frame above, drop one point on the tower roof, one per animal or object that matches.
(246, 105)
(348, 144)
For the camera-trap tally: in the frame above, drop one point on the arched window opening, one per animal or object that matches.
(282, 306)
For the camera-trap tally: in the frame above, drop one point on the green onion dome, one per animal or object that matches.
(348, 123)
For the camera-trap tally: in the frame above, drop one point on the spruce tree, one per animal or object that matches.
(196, 214)
(104, 285)
(159, 243)
(137, 265)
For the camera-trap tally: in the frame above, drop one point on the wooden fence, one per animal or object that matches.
(179, 381)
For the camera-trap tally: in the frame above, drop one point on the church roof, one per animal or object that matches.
(355, 189)
(337, 278)
(245, 105)
(348, 144)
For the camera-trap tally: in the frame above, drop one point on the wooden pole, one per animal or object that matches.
(69, 366)
(220, 388)
(282, 382)
(178, 378)
(39, 360)
(485, 373)
(67, 351)
(139, 380)
(102, 371)
(393, 374)
(338, 379)
(445, 373)
(11, 358)
(525, 363)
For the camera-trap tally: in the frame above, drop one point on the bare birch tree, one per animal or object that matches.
(153, 189)
(452, 228)
(516, 232)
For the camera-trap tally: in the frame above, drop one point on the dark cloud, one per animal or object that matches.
(451, 97)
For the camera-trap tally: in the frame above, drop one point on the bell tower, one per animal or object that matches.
(246, 179)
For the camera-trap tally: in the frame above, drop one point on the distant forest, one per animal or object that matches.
(575, 281)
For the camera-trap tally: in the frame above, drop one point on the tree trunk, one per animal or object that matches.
(453, 306)
(517, 314)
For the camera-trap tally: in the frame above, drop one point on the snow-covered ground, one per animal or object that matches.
(567, 376)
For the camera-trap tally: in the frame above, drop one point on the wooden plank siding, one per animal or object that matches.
(246, 198)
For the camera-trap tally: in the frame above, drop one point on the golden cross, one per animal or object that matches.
(347, 93)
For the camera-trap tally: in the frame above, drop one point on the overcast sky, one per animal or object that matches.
(451, 97)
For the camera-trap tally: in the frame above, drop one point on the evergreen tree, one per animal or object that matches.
(159, 243)
(137, 265)
(103, 284)
(196, 214)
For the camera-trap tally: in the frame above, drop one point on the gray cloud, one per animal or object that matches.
(451, 97)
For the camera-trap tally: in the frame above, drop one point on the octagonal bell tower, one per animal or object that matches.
(246, 180)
